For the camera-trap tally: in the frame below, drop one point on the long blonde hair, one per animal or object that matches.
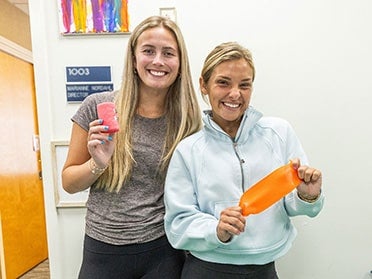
(183, 112)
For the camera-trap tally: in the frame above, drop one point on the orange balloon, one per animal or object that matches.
(269, 190)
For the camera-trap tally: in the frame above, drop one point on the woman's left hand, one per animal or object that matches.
(310, 187)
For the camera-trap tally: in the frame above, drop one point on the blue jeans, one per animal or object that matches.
(152, 260)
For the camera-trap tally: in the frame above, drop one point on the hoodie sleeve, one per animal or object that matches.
(186, 226)
(293, 204)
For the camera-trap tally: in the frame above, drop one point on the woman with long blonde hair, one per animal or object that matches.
(125, 171)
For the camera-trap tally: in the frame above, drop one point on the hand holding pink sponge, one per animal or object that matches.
(107, 112)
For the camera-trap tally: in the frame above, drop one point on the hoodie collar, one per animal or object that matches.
(249, 120)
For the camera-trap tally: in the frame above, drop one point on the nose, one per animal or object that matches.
(158, 59)
(234, 93)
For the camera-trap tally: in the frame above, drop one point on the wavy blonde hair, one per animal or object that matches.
(183, 112)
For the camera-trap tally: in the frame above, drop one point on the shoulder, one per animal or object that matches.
(191, 140)
(90, 102)
(87, 111)
(189, 143)
(274, 123)
(100, 97)
(274, 127)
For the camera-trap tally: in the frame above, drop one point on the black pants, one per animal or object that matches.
(152, 260)
(198, 269)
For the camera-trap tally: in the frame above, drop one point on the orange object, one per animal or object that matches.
(269, 190)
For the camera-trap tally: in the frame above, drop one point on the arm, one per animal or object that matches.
(188, 226)
(77, 171)
(307, 198)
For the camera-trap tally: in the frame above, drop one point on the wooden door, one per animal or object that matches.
(24, 242)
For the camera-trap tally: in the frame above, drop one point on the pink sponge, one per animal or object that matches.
(107, 112)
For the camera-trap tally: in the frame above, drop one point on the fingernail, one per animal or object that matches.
(106, 128)
(102, 142)
(109, 138)
(100, 121)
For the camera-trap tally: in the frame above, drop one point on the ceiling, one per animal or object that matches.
(20, 4)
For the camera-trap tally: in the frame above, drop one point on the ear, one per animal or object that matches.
(134, 63)
(203, 86)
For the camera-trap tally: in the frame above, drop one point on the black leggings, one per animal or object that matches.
(198, 269)
(152, 260)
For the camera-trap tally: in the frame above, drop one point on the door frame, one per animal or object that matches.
(25, 55)
(15, 50)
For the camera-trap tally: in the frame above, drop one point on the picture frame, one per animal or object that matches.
(169, 12)
(59, 151)
(93, 17)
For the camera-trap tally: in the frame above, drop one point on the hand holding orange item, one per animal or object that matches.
(269, 190)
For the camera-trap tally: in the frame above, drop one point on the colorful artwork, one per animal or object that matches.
(93, 16)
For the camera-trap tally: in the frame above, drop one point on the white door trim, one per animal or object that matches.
(15, 50)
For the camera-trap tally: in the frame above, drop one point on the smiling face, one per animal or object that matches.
(157, 59)
(229, 91)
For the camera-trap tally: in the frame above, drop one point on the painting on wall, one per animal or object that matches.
(78, 17)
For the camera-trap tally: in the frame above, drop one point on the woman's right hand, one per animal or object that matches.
(100, 144)
(94, 144)
(231, 222)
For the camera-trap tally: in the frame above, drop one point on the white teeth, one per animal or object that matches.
(159, 74)
(231, 105)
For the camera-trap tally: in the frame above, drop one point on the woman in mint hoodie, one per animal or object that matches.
(210, 170)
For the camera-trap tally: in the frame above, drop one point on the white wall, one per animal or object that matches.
(313, 63)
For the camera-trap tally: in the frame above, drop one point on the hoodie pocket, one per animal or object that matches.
(221, 205)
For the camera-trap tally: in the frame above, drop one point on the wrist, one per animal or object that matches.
(94, 169)
(223, 236)
(308, 199)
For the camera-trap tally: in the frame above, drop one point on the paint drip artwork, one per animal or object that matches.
(93, 16)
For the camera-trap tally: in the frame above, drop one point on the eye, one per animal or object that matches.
(246, 85)
(169, 53)
(222, 82)
(148, 51)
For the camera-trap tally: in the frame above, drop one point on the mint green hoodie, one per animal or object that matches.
(209, 171)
